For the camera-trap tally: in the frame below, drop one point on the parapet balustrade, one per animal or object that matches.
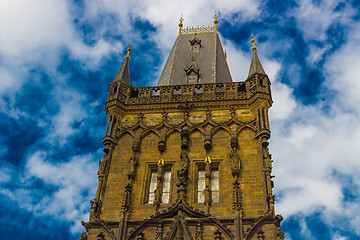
(190, 93)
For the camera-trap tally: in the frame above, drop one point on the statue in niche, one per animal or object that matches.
(182, 173)
(159, 185)
(94, 211)
(132, 165)
(101, 169)
(266, 156)
(157, 192)
(207, 195)
(235, 159)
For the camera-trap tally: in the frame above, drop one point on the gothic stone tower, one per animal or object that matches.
(188, 158)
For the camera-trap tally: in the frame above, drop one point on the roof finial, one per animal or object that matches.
(216, 20)
(192, 60)
(181, 24)
(253, 42)
(129, 50)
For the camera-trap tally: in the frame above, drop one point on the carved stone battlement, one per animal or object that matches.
(129, 95)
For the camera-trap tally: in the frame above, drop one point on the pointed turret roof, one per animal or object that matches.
(124, 73)
(203, 45)
(255, 66)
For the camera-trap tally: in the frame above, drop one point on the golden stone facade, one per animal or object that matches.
(226, 122)
(187, 161)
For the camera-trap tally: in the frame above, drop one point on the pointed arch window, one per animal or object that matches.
(153, 181)
(214, 182)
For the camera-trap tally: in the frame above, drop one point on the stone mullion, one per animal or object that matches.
(159, 184)
(207, 190)
(160, 171)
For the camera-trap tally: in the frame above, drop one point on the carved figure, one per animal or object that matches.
(83, 236)
(132, 165)
(182, 173)
(94, 211)
(207, 195)
(235, 159)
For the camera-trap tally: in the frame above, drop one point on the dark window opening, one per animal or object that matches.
(134, 92)
(241, 88)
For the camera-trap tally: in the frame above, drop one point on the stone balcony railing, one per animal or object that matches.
(189, 93)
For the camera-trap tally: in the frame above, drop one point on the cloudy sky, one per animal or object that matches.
(58, 57)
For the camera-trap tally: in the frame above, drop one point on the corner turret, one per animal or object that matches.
(123, 74)
(255, 66)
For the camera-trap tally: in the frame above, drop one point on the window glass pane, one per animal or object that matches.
(201, 185)
(215, 196)
(166, 187)
(215, 185)
(152, 188)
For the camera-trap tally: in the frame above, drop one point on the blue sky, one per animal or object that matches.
(58, 57)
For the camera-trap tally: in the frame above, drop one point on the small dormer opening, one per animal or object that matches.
(192, 78)
(134, 92)
(155, 92)
(241, 87)
(195, 44)
(115, 89)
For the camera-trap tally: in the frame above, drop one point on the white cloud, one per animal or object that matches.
(74, 181)
(238, 61)
(71, 103)
(343, 69)
(314, 18)
(313, 148)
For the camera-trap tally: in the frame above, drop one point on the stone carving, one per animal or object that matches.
(127, 199)
(94, 210)
(140, 236)
(159, 231)
(218, 235)
(199, 232)
(182, 174)
(83, 236)
(260, 234)
(207, 190)
(133, 162)
(159, 184)
(237, 198)
(101, 236)
(232, 91)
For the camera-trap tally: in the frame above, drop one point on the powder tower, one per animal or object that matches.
(187, 159)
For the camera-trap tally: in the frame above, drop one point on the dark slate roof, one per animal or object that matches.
(210, 60)
(123, 74)
(255, 66)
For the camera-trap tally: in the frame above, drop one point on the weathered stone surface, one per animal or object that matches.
(226, 124)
